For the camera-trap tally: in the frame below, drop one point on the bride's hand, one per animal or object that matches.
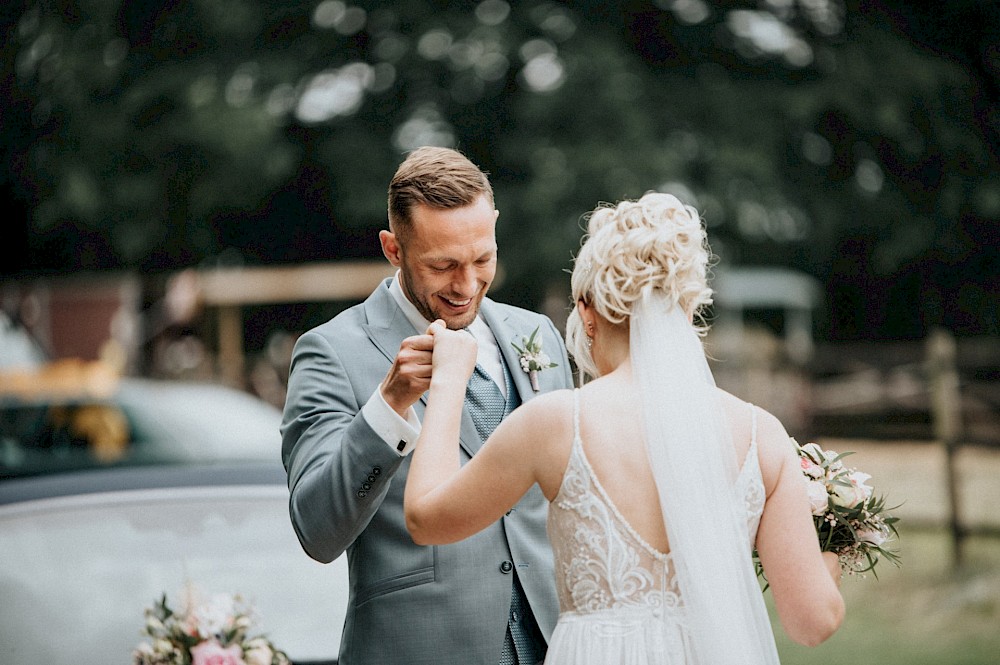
(832, 562)
(454, 355)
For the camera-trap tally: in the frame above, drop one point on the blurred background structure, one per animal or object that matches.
(850, 146)
(190, 184)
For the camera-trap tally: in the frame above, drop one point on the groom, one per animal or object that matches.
(351, 418)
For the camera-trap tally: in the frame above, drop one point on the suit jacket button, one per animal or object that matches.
(376, 470)
(371, 478)
(506, 567)
(366, 486)
(362, 494)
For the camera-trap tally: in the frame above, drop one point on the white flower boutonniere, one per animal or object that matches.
(533, 359)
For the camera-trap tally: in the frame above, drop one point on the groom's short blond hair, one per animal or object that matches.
(437, 177)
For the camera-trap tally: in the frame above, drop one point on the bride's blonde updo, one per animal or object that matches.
(656, 242)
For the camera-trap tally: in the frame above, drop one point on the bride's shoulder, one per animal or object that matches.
(553, 397)
(550, 406)
(775, 449)
(749, 421)
(743, 414)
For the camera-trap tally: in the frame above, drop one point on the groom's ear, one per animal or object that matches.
(390, 247)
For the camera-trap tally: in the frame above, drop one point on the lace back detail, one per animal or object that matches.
(602, 563)
(750, 484)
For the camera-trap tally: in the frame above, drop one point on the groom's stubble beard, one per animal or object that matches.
(428, 312)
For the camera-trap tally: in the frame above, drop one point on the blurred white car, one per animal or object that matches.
(131, 421)
(83, 554)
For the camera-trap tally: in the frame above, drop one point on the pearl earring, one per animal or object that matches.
(589, 342)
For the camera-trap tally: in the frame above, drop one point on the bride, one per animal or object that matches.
(660, 484)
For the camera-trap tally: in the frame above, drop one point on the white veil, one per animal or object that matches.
(694, 463)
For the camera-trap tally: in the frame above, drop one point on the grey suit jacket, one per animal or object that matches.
(408, 603)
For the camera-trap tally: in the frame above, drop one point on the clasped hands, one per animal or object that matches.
(447, 355)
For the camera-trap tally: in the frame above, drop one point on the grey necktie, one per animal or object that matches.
(487, 407)
(486, 403)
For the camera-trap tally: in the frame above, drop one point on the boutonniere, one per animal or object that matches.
(533, 359)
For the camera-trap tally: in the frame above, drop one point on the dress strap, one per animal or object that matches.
(753, 425)
(576, 415)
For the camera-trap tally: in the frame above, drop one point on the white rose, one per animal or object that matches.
(814, 451)
(258, 652)
(817, 496)
(847, 496)
(162, 646)
(858, 480)
(214, 616)
(871, 536)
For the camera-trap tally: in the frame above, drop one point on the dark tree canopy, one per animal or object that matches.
(855, 141)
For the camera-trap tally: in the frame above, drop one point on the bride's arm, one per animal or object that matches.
(444, 502)
(803, 581)
(435, 457)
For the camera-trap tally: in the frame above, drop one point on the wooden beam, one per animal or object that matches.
(351, 280)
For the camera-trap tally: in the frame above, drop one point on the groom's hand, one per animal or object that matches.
(410, 374)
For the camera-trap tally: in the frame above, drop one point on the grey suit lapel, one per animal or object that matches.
(505, 333)
(387, 327)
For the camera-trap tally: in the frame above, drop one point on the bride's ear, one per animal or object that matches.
(587, 316)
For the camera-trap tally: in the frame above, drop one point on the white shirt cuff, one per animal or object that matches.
(399, 434)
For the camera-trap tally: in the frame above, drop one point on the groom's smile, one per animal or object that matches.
(447, 260)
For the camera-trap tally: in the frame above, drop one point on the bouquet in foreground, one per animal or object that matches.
(851, 520)
(212, 631)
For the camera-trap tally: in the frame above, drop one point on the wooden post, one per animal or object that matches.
(231, 359)
(946, 415)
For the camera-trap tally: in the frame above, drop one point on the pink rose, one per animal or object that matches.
(213, 653)
(810, 468)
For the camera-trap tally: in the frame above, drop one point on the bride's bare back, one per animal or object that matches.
(613, 438)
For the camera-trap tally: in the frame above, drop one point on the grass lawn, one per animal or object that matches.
(923, 613)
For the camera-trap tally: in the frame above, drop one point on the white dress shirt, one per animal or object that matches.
(401, 434)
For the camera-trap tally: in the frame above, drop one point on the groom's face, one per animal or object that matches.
(447, 260)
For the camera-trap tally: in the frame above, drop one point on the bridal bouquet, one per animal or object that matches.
(213, 631)
(851, 521)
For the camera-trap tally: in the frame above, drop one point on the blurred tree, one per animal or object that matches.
(852, 139)
(146, 120)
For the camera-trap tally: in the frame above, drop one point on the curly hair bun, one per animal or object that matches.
(655, 242)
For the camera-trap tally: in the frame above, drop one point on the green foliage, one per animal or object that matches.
(835, 139)
(922, 613)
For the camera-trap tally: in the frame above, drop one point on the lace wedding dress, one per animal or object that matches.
(614, 589)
